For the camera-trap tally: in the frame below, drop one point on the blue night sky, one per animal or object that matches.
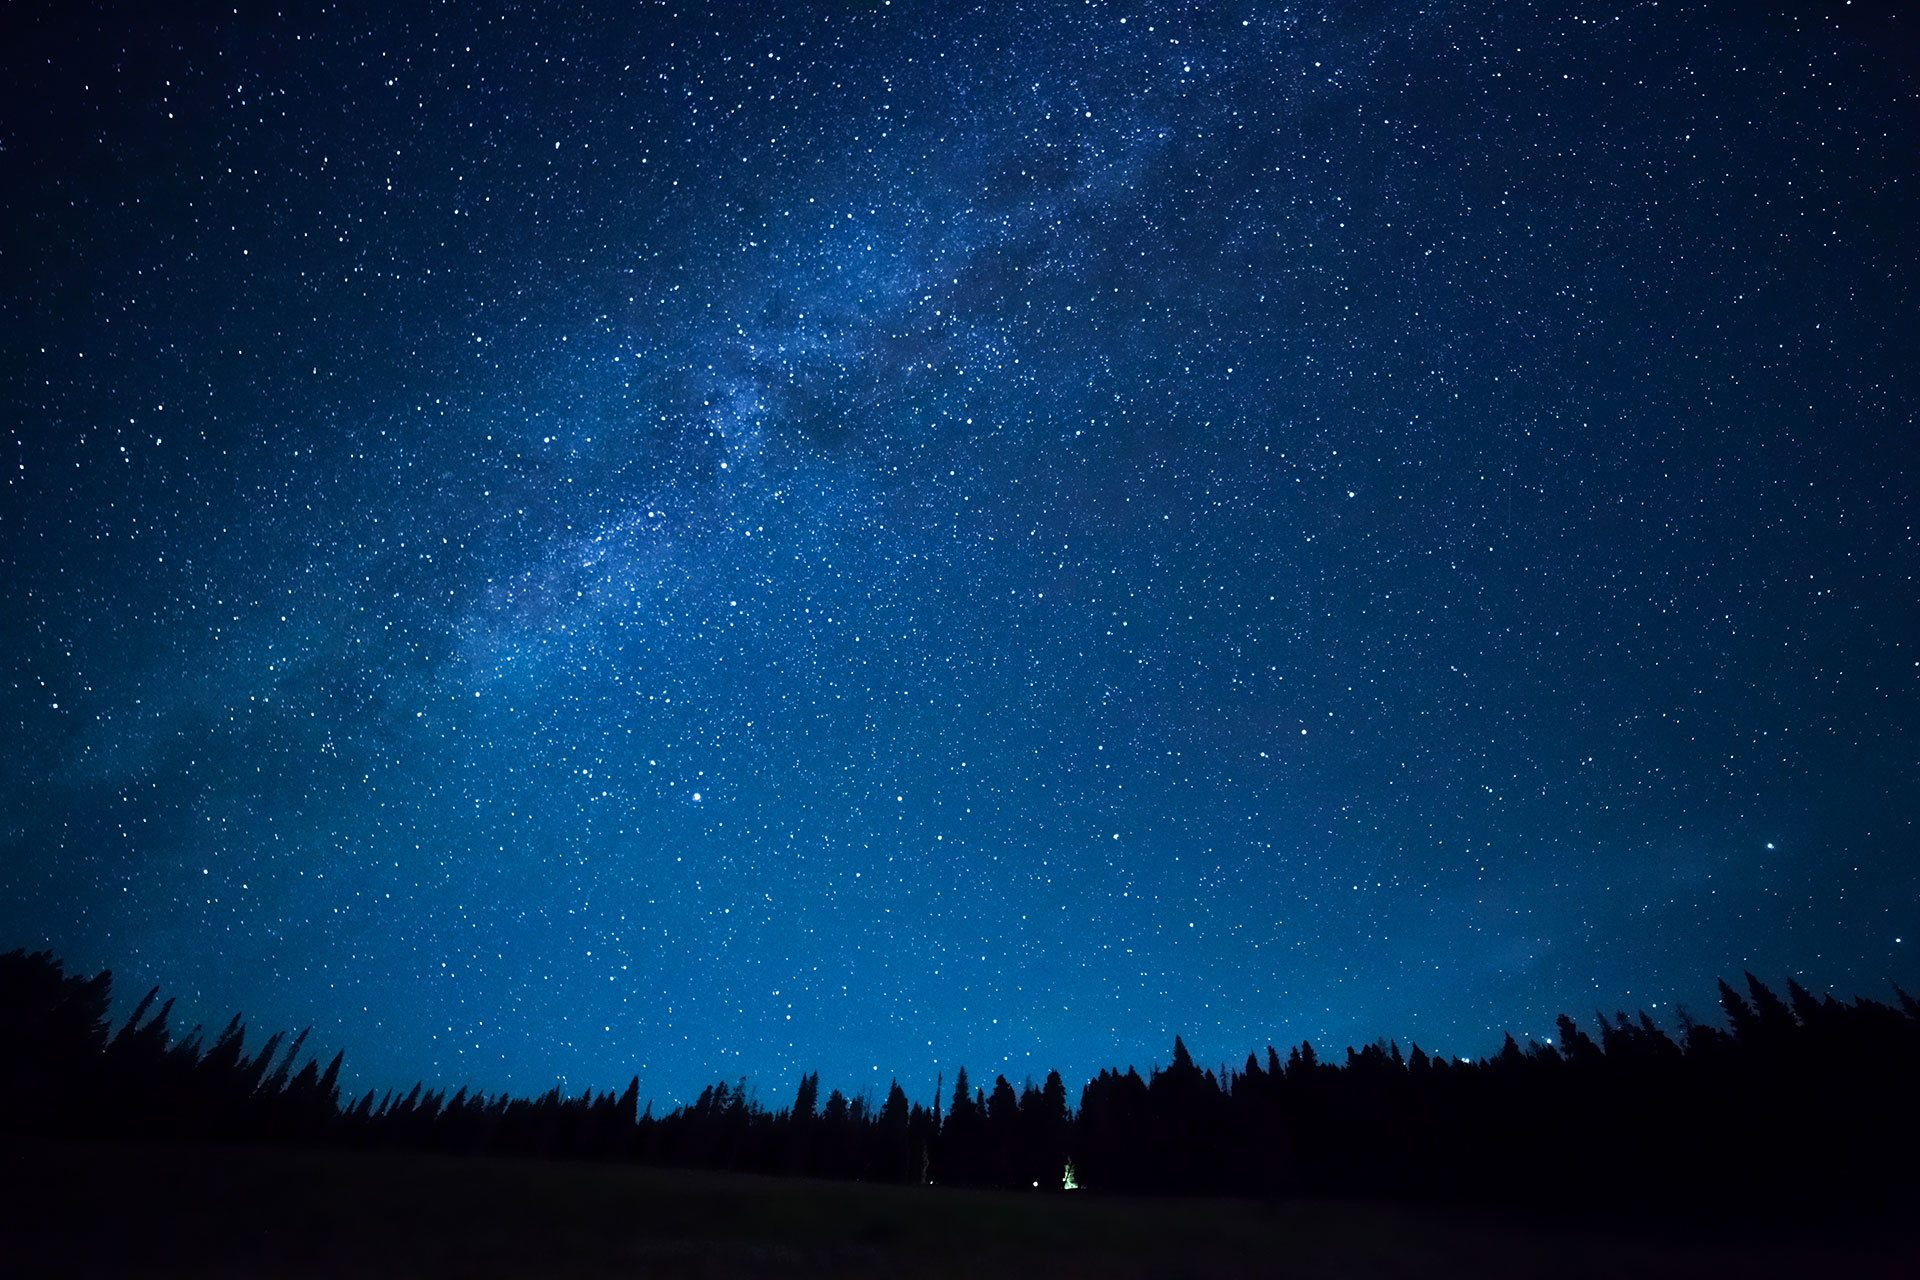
(877, 537)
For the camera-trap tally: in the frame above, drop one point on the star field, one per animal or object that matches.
(553, 544)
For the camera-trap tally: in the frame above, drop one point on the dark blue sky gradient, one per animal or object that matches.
(553, 545)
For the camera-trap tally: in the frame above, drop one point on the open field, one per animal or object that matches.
(118, 1209)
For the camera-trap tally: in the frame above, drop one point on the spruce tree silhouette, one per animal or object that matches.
(1805, 1007)
(53, 1029)
(957, 1157)
(1575, 1044)
(1774, 1022)
(836, 1132)
(1050, 1130)
(806, 1100)
(1002, 1142)
(1740, 1016)
(893, 1155)
(802, 1145)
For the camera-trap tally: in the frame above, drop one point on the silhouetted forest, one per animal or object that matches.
(1802, 1098)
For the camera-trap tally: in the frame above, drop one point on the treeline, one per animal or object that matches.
(1801, 1098)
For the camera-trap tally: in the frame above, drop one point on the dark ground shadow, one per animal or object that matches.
(88, 1208)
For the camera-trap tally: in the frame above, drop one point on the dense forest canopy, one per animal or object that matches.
(1801, 1095)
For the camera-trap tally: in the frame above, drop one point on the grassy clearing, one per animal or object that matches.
(116, 1209)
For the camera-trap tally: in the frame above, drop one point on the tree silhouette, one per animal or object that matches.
(1802, 1099)
(958, 1155)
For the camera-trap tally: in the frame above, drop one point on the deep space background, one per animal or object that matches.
(557, 542)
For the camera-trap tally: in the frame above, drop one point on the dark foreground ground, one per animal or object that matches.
(110, 1209)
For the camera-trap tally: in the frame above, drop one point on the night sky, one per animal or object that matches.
(554, 544)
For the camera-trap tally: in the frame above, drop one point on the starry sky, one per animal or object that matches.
(552, 542)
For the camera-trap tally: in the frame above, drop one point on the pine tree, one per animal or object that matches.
(806, 1101)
